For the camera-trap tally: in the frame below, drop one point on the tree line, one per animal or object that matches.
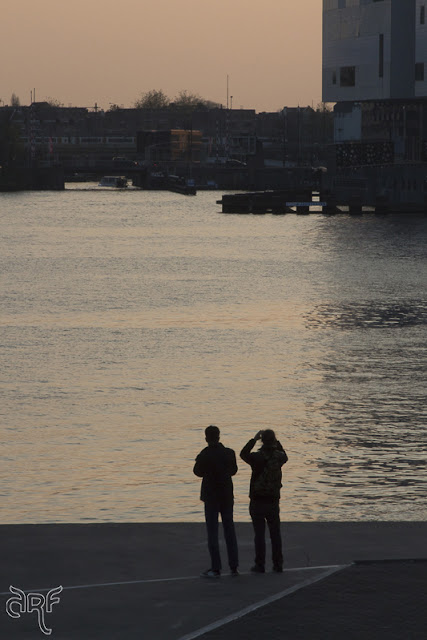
(157, 99)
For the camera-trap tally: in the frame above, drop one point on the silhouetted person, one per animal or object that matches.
(266, 482)
(216, 464)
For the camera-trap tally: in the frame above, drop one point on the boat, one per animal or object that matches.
(180, 185)
(117, 182)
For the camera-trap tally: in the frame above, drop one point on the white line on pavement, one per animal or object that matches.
(154, 580)
(104, 584)
(263, 603)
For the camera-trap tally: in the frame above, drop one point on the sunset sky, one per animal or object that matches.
(112, 51)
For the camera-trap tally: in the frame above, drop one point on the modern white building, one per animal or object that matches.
(374, 50)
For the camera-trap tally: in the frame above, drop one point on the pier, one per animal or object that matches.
(277, 202)
(304, 202)
(48, 178)
(301, 202)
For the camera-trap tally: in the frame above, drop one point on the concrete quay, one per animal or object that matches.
(141, 581)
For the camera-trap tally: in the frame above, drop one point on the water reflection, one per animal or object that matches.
(131, 321)
(376, 452)
(369, 315)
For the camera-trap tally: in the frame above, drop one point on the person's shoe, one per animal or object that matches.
(278, 569)
(211, 573)
(234, 572)
(257, 568)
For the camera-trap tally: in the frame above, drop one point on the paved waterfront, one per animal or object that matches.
(129, 581)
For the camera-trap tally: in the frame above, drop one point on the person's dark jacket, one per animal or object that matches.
(257, 461)
(216, 464)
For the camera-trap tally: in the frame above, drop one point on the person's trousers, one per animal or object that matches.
(261, 513)
(212, 511)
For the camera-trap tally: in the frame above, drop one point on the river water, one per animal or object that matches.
(131, 320)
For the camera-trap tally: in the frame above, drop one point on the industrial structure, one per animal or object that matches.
(375, 71)
(374, 50)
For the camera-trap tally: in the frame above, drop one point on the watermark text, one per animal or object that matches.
(30, 602)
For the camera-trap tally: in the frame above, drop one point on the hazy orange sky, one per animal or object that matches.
(112, 51)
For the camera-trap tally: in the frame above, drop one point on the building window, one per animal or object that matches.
(348, 76)
(419, 72)
(422, 14)
(381, 55)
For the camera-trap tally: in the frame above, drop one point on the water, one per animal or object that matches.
(131, 320)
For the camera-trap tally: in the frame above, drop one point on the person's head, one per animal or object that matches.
(212, 434)
(268, 438)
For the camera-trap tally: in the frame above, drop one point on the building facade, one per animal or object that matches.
(374, 50)
(375, 70)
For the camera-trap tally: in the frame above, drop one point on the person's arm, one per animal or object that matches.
(245, 453)
(233, 464)
(281, 449)
(199, 467)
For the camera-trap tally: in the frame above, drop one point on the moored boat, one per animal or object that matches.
(180, 185)
(117, 182)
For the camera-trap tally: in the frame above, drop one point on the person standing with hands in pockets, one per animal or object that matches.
(216, 464)
(264, 493)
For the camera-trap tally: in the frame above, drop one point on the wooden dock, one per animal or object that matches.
(303, 202)
(275, 202)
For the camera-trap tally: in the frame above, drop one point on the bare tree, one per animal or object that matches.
(324, 107)
(186, 100)
(191, 101)
(15, 101)
(154, 99)
(53, 102)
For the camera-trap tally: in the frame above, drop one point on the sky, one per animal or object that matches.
(112, 51)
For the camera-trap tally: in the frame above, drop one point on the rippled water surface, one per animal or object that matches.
(131, 320)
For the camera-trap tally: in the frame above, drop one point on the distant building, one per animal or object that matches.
(374, 50)
(229, 142)
(375, 70)
(169, 145)
(294, 136)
